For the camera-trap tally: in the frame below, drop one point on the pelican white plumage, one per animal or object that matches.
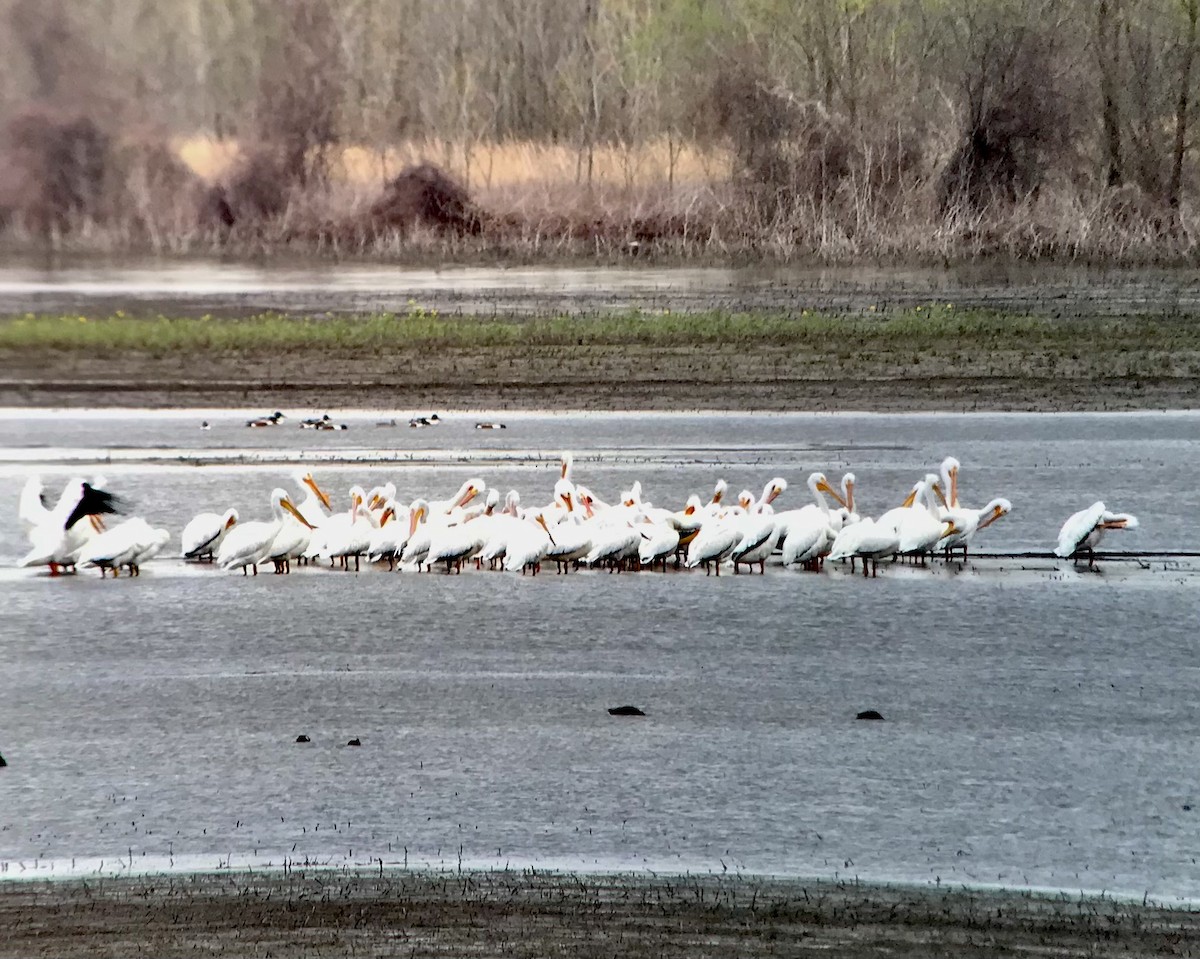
(867, 539)
(920, 527)
(346, 535)
(121, 545)
(660, 540)
(74, 520)
(416, 546)
(248, 544)
(387, 542)
(455, 542)
(1083, 531)
(32, 510)
(715, 541)
(759, 533)
(799, 530)
(203, 534)
(527, 545)
(949, 478)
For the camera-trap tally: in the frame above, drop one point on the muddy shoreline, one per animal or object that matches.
(598, 378)
(388, 912)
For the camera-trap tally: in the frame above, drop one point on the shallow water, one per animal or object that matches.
(1040, 718)
(193, 286)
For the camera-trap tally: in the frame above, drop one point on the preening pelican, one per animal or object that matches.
(715, 541)
(969, 522)
(315, 507)
(248, 544)
(127, 544)
(204, 533)
(1083, 530)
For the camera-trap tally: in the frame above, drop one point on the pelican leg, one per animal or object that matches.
(866, 563)
(244, 573)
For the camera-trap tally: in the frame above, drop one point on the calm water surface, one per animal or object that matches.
(1040, 719)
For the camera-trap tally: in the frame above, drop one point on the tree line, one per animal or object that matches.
(977, 103)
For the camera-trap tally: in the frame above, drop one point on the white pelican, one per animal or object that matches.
(800, 529)
(920, 526)
(121, 545)
(659, 541)
(204, 533)
(459, 541)
(758, 536)
(347, 534)
(715, 541)
(149, 549)
(248, 544)
(971, 521)
(848, 484)
(614, 540)
(1083, 530)
(416, 547)
(388, 541)
(806, 535)
(867, 539)
(63, 531)
(527, 545)
(572, 540)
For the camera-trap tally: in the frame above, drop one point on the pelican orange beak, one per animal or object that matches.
(542, 523)
(937, 491)
(997, 512)
(849, 504)
(689, 510)
(951, 529)
(287, 505)
(97, 522)
(230, 522)
(467, 496)
(312, 485)
(376, 502)
(824, 487)
(567, 499)
(629, 502)
(355, 502)
(910, 499)
(954, 485)
(389, 513)
(414, 518)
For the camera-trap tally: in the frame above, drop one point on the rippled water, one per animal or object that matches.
(198, 286)
(1040, 718)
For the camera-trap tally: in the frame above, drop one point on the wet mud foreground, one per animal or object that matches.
(527, 914)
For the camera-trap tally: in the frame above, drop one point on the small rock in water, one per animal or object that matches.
(303, 739)
(869, 714)
(355, 742)
(625, 711)
(1186, 806)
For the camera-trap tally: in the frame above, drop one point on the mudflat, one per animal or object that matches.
(909, 361)
(382, 912)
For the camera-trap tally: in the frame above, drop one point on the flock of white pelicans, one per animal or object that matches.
(575, 529)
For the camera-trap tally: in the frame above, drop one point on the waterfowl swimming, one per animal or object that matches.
(271, 420)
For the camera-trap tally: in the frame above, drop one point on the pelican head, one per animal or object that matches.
(848, 481)
(230, 518)
(774, 489)
(467, 492)
(818, 484)
(693, 504)
(745, 499)
(949, 470)
(492, 501)
(418, 511)
(993, 511)
(305, 478)
(567, 466)
(282, 503)
(718, 492)
(563, 493)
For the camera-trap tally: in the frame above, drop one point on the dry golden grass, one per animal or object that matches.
(487, 166)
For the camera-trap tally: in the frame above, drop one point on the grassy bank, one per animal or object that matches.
(533, 914)
(936, 357)
(920, 328)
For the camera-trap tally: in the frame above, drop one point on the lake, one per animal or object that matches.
(1039, 724)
